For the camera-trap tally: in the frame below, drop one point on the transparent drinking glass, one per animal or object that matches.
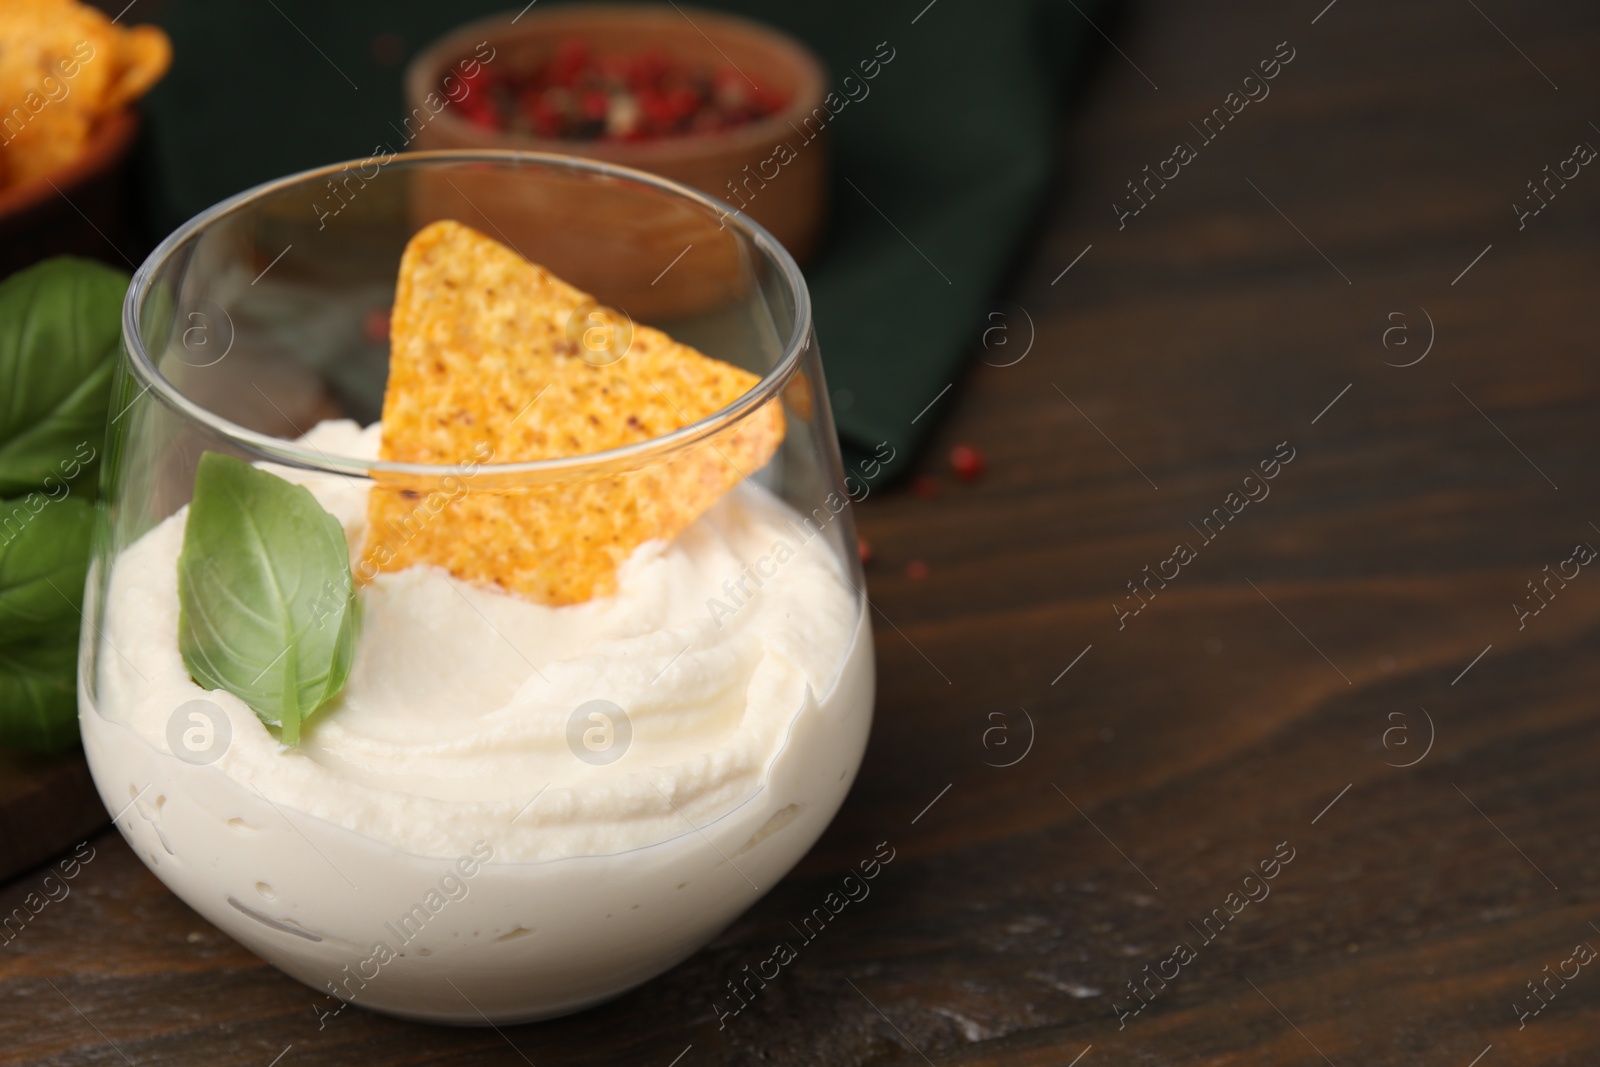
(513, 809)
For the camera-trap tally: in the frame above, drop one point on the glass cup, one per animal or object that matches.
(514, 809)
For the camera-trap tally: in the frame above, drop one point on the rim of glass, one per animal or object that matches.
(310, 458)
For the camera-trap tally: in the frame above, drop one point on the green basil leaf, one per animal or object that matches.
(44, 559)
(60, 325)
(268, 606)
(39, 694)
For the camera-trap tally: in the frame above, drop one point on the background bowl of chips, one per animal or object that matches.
(40, 219)
(791, 205)
(69, 77)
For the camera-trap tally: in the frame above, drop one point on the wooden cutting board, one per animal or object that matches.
(47, 805)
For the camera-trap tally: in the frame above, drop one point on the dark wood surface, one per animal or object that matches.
(1284, 670)
(47, 805)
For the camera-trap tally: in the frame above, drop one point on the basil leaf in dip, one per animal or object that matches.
(267, 604)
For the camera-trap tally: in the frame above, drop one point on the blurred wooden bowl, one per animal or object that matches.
(81, 209)
(791, 204)
(625, 255)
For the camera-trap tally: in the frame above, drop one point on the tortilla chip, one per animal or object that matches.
(63, 67)
(145, 53)
(495, 360)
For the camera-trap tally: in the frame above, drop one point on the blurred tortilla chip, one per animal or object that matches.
(64, 66)
(146, 53)
(494, 359)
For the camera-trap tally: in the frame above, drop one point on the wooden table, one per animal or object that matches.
(1339, 676)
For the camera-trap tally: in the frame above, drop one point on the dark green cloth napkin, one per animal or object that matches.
(938, 168)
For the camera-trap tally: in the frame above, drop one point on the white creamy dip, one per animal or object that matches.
(437, 820)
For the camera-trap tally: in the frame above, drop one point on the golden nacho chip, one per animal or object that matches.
(494, 359)
(63, 67)
(145, 55)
